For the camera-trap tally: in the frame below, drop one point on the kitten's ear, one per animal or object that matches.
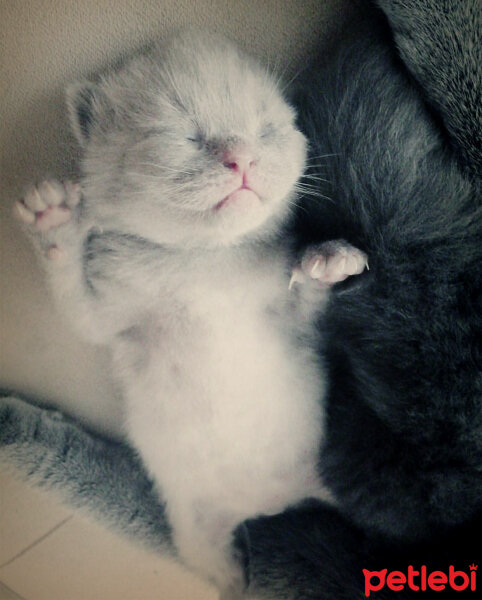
(81, 101)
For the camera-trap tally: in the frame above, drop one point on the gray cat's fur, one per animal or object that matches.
(403, 449)
(440, 42)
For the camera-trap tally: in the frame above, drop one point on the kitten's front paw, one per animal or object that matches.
(44, 209)
(329, 263)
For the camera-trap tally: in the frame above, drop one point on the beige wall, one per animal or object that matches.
(43, 45)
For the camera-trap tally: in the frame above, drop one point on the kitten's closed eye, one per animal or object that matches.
(267, 131)
(196, 137)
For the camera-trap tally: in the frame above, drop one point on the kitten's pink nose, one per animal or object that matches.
(238, 160)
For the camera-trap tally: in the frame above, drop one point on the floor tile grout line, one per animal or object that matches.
(36, 542)
(13, 592)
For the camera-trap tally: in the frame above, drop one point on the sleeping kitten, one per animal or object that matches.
(170, 252)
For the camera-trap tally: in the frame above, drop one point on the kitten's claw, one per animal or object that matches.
(46, 207)
(297, 276)
(33, 200)
(329, 263)
(51, 193)
(23, 214)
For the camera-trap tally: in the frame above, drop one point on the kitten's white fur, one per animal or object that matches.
(223, 389)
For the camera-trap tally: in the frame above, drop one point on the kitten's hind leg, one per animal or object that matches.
(203, 538)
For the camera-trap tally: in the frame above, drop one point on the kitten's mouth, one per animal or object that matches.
(242, 198)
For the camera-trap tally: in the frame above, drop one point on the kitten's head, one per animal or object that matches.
(187, 144)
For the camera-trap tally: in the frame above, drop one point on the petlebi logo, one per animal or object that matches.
(421, 580)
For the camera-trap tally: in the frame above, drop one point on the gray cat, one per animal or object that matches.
(396, 111)
(170, 253)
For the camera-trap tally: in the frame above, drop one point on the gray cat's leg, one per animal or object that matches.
(89, 472)
(440, 41)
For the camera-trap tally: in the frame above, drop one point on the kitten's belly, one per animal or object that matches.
(230, 408)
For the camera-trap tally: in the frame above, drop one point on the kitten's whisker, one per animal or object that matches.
(290, 81)
(306, 191)
(306, 184)
(279, 76)
(318, 196)
(155, 165)
(316, 156)
(161, 168)
(275, 69)
(317, 166)
(170, 76)
(297, 205)
(315, 178)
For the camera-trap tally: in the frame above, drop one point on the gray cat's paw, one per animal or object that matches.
(44, 209)
(329, 263)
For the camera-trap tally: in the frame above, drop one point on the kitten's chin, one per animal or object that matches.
(242, 215)
(241, 200)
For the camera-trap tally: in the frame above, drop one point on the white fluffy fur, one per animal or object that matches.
(213, 355)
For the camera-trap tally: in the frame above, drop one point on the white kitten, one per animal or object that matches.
(173, 259)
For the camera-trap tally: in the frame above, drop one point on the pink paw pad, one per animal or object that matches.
(46, 207)
(329, 263)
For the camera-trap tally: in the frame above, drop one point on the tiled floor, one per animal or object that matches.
(49, 552)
